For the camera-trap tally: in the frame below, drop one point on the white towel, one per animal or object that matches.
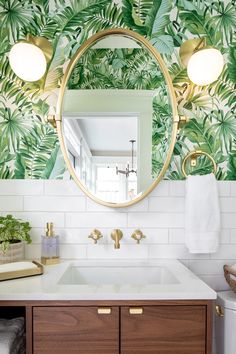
(202, 214)
(11, 332)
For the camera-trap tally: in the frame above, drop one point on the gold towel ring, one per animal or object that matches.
(193, 155)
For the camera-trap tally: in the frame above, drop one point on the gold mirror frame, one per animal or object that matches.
(175, 118)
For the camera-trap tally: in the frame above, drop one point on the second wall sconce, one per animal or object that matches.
(204, 63)
(29, 58)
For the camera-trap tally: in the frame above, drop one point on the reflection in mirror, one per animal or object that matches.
(117, 119)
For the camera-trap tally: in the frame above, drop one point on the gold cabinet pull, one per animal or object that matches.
(219, 311)
(136, 311)
(104, 310)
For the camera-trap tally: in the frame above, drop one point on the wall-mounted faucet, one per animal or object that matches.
(116, 236)
(138, 235)
(95, 235)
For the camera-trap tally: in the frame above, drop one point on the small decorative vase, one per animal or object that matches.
(15, 252)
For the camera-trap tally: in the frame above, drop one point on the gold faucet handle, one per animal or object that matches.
(138, 235)
(95, 235)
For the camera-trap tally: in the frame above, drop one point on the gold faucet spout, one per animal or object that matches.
(116, 236)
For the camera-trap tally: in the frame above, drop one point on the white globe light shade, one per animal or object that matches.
(205, 66)
(27, 61)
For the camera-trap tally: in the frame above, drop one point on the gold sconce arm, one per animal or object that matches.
(182, 121)
(138, 235)
(51, 118)
(95, 235)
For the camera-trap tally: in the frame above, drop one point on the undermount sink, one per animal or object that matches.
(117, 275)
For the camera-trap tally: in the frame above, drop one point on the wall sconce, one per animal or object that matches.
(204, 64)
(29, 58)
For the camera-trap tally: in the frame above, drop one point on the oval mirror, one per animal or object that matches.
(117, 117)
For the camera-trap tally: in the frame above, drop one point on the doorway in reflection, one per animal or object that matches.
(100, 151)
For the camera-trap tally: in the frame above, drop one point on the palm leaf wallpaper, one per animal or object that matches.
(29, 148)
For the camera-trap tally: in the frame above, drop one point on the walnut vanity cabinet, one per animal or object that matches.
(82, 330)
(163, 330)
(117, 327)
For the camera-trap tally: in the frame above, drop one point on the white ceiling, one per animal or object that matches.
(111, 134)
(116, 41)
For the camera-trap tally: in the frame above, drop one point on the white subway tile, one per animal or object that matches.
(155, 235)
(233, 188)
(162, 220)
(96, 220)
(73, 251)
(225, 252)
(228, 220)
(41, 218)
(36, 233)
(138, 207)
(162, 189)
(173, 252)
(54, 203)
(61, 187)
(223, 188)
(233, 236)
(208, 267)
(11, 203)
(228, 205)
(91, 206)
(166, 205)
(225, 236)
(216, 282)
(160, 217)
(141, 206)
(21, 187)
(125, 252)
(177, 188)
(177, 236)
(32, 252)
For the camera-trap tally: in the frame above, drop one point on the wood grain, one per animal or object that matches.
(29, 329)
(70, 330)
(164, 330)
(182, 326)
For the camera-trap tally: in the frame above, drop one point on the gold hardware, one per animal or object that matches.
(95, 235)
(104, 310)
(189, 47)
(50, 261)
(175, 118)
(51, 118)
(136, 311)
(137, 235)
(117, 235)
(42, 43)
(219, 311)
(182, 121)
(193, 155)
(49, 230)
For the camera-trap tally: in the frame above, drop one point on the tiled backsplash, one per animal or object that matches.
(160, 217)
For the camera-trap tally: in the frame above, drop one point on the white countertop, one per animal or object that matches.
(46, 287)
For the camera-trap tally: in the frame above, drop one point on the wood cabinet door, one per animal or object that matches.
(80, 330)
(164, 330)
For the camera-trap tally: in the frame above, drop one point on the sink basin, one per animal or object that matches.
(117, 275)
